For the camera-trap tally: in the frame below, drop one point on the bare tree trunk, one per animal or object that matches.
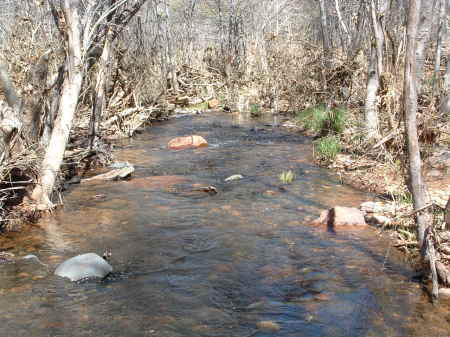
(342, 23)
(371, 106)
(100, 89)
(34, 106)
(416, 183)
(441, 37)
(423, 38)
(69, 99)
(169, 49)
(445, 99)
(447, 214)
(377, 14)
(10, 125)
(52, 111)
(325, 33)
(10, 113)
(375, 69)
(357, 38)
(12, 98)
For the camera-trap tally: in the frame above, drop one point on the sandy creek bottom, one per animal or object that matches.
(239, 263)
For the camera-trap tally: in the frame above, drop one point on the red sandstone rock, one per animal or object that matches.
(341, 216)
(188, 142)
(213, 103)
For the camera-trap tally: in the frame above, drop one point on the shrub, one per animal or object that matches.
(322, 120)
(327, 148)
(255, 109)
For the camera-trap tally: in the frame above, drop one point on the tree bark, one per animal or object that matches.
(440, 38)
(447, 214)
(445, 99)
(71, 89)
(100, 89)
(12, 98)
(426, 17)
(325, 33)
(377, 15)
(10, 121)
(416, 183)
(375, 69)
(169, 49)
(342, 23)
(371, 106)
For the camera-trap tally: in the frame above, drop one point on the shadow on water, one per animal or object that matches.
(241, 263)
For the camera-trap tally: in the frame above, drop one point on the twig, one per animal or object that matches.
(12, 188)
(406, 243)
(418, 210)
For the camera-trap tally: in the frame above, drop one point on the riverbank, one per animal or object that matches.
(380, 169)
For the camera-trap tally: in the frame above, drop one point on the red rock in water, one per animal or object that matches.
(188, 142)
(213, 103)
(341, 216)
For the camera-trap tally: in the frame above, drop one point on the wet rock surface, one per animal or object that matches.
(188, 142)
(341, 216)
(85, 266)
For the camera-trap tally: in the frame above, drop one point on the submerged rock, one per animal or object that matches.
(84, 266)
(268, 326)
(188, 142)
(116, 174)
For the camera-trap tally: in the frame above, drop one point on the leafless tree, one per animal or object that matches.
(416, 183)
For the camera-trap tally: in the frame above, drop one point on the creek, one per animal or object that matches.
(243, 262)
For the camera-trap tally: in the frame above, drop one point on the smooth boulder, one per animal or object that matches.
(84, 266)
(188, 142)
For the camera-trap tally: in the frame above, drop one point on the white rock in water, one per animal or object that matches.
(234, 177)
(83, 266)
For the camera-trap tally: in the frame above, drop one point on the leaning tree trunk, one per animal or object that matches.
(72, 86)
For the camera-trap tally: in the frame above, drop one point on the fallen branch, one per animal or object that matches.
(406, 243)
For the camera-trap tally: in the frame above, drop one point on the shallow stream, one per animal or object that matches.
(242, 262)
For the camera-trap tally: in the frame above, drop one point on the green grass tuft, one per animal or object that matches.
(287, 177)
(322, 120)
(327, 148)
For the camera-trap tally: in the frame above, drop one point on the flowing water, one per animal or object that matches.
(242, 262)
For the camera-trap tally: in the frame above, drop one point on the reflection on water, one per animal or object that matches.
(242, 262)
